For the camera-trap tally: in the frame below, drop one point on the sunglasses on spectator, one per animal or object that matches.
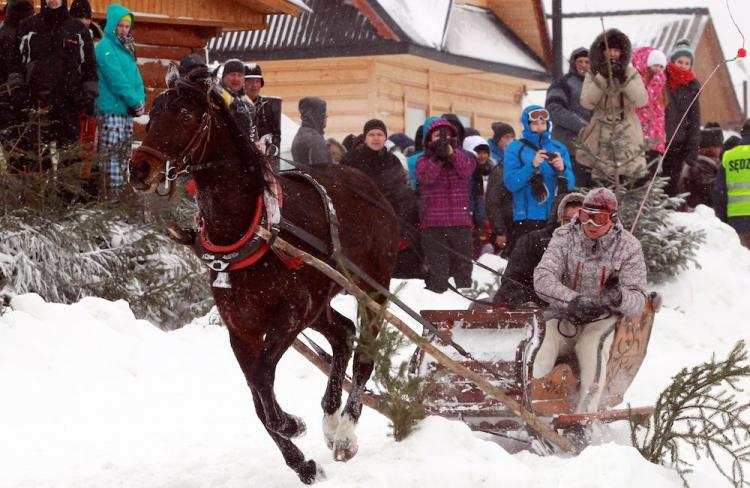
(594, 216)
(539, 114)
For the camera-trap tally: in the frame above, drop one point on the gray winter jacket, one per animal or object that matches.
(309, 146)
(564, 105)
(576, 265)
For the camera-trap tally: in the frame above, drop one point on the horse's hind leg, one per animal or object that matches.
(345, 442)
(339, 332)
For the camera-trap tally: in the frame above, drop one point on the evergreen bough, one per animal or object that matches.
(700, 411)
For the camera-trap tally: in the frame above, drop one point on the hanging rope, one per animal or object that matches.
(741, 53)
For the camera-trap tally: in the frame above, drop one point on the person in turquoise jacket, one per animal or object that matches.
(537, 169)
(121, 95)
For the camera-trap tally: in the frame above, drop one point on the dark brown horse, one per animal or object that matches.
(269, 304)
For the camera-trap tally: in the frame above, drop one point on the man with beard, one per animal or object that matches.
(55, 55)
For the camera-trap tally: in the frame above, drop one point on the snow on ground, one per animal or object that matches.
(93, 397)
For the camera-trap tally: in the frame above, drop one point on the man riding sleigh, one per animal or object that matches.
(592, 273)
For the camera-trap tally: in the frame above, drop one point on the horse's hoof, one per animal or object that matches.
(330, 424)
(311, 472)
(345, 450)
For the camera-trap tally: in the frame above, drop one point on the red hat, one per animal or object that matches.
(601, 199)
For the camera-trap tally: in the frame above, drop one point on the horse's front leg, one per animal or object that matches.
(339, 332)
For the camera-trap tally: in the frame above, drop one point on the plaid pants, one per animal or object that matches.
(115, 139)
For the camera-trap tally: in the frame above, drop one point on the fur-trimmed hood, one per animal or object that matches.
(614, 38)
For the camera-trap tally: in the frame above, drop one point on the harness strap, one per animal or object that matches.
(331, 216)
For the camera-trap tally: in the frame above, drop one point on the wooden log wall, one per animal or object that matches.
(360, 88)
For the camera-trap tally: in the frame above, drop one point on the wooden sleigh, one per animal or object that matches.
(507, 341)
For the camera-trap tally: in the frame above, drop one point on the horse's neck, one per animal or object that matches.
(227, 199)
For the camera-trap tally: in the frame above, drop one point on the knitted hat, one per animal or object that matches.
(601, 199)
(475, 143)
(656, 57)
(234, 66)
(499, 129)
(569, 200)
(80, 9)
(682, 48)
(712, 135)
(580, 52)
(374, 124)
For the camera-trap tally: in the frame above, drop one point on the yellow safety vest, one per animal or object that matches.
(736, 163)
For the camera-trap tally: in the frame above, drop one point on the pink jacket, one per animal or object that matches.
(652, 114)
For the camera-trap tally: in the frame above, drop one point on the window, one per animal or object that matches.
(414, 118)
(465, 119)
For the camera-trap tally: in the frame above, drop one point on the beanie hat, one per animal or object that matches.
(499, 129)
(656, 57)
(374, 124)
(253, 70)
(712, 135)
(234, 66)
(580, 52)
(81, 9)
(568, 200)
(601, 199)
(474, 143)
(682, 48)
(745, 132)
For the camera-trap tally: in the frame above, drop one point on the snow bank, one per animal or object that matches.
(94, 397)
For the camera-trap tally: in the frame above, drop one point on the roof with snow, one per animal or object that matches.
(659, 28)
(457, 34)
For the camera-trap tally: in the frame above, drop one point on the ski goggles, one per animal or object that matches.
(594, 216)
(539, 114)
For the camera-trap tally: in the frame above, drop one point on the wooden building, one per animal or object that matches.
(168, 30)
(369, 58)
(662, 28)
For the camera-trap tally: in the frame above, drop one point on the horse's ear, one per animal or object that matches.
(173, 74)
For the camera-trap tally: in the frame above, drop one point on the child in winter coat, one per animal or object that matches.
(445, 216)
(537, 168)
(682, 89)
(121, 95)
(650, 63)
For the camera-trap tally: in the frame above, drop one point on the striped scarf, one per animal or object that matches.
(128, 43)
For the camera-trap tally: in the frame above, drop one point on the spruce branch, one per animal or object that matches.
(700, 410)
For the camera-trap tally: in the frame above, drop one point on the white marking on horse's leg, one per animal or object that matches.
(330, 424)
(345, 443)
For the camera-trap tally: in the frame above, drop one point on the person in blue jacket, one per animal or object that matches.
(121, 95)
(537, 169)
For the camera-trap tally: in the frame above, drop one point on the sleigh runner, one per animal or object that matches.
(506, 341)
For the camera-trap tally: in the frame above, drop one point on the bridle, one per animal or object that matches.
(193, 152)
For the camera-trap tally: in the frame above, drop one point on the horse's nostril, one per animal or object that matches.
(138, 172)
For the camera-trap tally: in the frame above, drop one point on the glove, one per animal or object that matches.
(618, 71)
(137, 111)
(89, 100)
(538, 188)
(582, 310)
(15, 80)
(612, 294)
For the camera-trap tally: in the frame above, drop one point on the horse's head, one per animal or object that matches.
(176, 134)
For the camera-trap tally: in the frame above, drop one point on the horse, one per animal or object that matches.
(269, 303)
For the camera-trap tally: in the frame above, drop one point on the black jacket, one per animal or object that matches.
(499, 202)
(309, 146)
(56, 58)
(391, 178)
(689, 133)
(11, 102)
(564, 105)
(517, 284)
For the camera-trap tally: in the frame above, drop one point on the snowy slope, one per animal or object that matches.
(92, 397)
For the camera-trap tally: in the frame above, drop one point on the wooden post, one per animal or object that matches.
(498, 394)
(557, 38)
